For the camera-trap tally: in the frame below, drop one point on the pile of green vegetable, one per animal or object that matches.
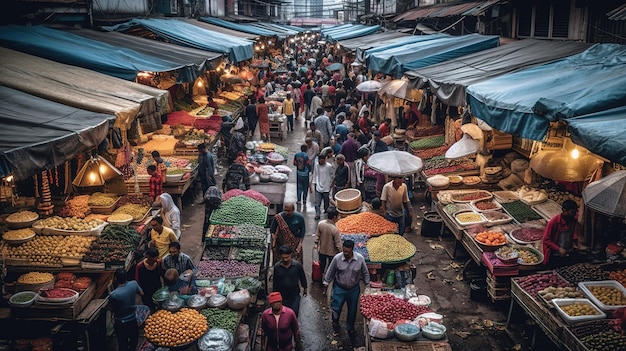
(428, 143)
(250, 256)
(239, 210)
(221, 319)
(121, 233)
(520, 211)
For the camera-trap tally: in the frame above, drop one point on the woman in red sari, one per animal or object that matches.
(262, 111)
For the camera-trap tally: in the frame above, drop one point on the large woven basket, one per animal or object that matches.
(348, 200)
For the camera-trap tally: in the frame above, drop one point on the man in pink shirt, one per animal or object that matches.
(280, 326)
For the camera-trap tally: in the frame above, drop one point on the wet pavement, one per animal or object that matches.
(471, 325)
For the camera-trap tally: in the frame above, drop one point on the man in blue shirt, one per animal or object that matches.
(122, 302)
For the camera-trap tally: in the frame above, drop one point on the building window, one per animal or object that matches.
(544, 20)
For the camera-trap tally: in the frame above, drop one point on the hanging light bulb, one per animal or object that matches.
(569, 163)
(200, 84)
(575, 153)
(92, 177)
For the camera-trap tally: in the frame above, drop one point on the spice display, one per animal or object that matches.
(389, 308)
(454, 208)
(57, 293)
(471, 196)
(591, 328)
(487, 205)
(212, 269)
(22, 216)
(582, 272)
(366, 222)
(521, 211)
(528, 256)
(620, 276)
(440, 165)
(169, 329)
(494, 216)
(19, 234)
(119, 217)
(606, 340)
(221, 319)
(426, 154)
(135, 210)
(390, 248)
(22, 298)
(532, 284)
(552, 292)
(608, 295)
(491, 238)
(216, 253)
(240, 209)
(77, 207)
(428, 143)
(579, 309)
(468, 217)
(69, 223)
(529, 234)
(121, 233)
(424, 131)
(35, 278)
(102, 199)
(138, 199)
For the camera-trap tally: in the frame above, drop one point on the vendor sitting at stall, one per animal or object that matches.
(237, 176)
(180, 261)
(183, 284)
(560, 236)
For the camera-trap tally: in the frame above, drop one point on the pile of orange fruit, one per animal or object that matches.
(491, 238)
(164, 328)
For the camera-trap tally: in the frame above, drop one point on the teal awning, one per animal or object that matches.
(397, 60)
(525, 102)
(242, 27)
(185, 34)
(349, 32)
(385, 44)
(603, 133)
(83, 52)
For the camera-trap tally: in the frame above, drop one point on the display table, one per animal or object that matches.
(176, 189)
(274, 192)
(278, 129)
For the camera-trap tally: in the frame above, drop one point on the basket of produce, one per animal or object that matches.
(22, 299)
(34, 281)
(559, 292)
(221, 319)
(496, 218)
(529, 257)
(57, 296)
(427, 143)
(238, 210)
(390, 248)
(72, 248)
(103, 203)
(167, 329)
(469, 218)
(78, 206)
(348, 200)
(577, 310)
(485, 205)
(120, 219)
(471, 180)
(471, 196)
(18, 236)
(507, 254)
(455, 179)
(490, 241)
(366, 223)
(406, 331)
(527, 235)
(139, 212)
(175, 175)
(22, 219)
(434, 331)
(521, 211)
(68, 226)
(607, 294)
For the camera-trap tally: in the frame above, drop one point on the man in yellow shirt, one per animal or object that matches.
(161, 236)
(288, 109)
(395, 200)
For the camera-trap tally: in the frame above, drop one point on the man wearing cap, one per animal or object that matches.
(288, 278)
(280, 326)
(378, 144)
(345, 272)
(395, 198)
(237, 176)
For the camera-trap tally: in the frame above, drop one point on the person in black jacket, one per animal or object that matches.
(251, 116)
(237, 176)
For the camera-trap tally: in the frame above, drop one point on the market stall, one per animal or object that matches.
(267, 163)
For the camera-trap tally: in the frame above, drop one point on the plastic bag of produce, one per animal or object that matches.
(197, 301)
(279, 177)
(174, 303)
(216, 340)
(380, 329)
(255, 179)
(283, 169)
(243, 333)
(162, 294)
(239, 299)
(217, 301)
(208, 291)
(249, 283)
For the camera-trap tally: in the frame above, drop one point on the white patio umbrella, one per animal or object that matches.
(395, 163)
(607, 195)
(369, 86)
(400, 88)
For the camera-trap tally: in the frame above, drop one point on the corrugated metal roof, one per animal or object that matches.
(473, 8)
(619, 14)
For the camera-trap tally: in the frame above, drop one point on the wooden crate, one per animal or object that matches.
(69, 312)
(410, 346)
(500, 140)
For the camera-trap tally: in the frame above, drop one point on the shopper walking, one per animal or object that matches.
(289, 277)
(288, 229)
(122, 302)
(345, 272)
(251, 116)
(328, 239)
(263, 113)
(289, 108)
(280, 326)
(395, 198)
(303, 169)
(322, 180)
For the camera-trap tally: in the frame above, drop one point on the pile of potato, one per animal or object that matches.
(608, 295)
(22, 216)
(18, 234)
(102, 199)
(69, 223)
(137, 211)
(39, 251)
(164, 328)
(74, 246)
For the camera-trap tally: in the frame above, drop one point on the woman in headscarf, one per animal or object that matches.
(170, 213)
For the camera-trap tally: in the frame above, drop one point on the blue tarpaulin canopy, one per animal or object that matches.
(603, 133)
(195, 61)
(242, 27)
(396, 61)
(39, 134)
(279, 28)
(185, 34)
(449, 79)
(79, 51)
(525, 102)
(385, 44)
(367, 41)
(351, 31)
